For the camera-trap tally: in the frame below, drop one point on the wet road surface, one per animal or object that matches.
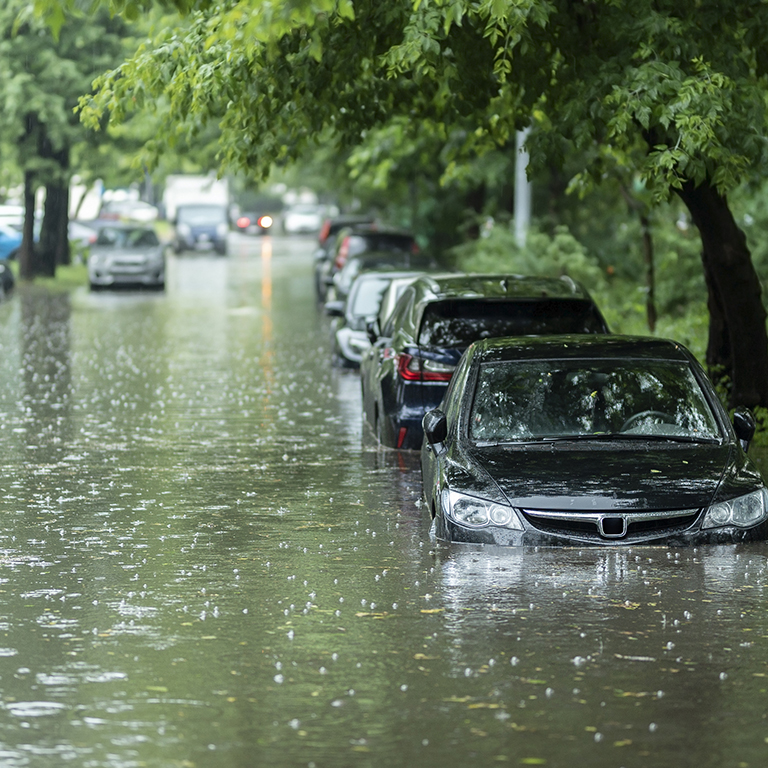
(203, 563)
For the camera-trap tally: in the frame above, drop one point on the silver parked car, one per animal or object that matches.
(126, 254)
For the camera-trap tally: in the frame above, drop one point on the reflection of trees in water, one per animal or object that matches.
(45, 366)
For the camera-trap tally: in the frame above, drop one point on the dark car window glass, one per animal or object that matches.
(367, 297)
(529, 400)
(126, 238)
(459, 322)
(201, 215)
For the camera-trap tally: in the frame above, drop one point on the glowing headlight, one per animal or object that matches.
(478, 513)
(743, 511)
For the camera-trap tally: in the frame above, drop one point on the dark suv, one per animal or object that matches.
(357, 240)
(406, 371)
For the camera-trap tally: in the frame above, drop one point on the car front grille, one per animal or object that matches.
(606, 527)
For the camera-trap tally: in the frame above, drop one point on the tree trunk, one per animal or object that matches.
(54, 240)
(650, 271)
(27, 250)
(738, 340)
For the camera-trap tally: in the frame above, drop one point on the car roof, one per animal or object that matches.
(387, 274)
(420, 261)
(588, 346)
(478, 285)
(117, 224)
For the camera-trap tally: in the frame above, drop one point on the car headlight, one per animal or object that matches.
(743, 511)
(183, 230)
(222, 229)
(478, 513)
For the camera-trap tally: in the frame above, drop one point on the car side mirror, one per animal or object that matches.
(744, 426)
(435, 427)
(334, 308)
(372, 330)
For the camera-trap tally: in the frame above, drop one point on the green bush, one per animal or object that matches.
(543, 255)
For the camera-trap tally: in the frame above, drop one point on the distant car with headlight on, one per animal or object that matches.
(125, 254)
(201, 227)
(588, 440)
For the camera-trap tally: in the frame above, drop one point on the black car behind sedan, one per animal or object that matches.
(406, 371)
(588, 440)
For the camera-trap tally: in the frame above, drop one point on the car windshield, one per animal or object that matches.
(459, 322)
(368, 297)
(202, 215)
(123, 237)
(523, 401)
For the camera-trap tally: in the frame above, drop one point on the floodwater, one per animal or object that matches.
(203, 563)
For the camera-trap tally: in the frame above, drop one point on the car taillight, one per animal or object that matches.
(341, 256)
(325, 230)
(243, 222)
(265, 222)
(408, 368)
(415, 247)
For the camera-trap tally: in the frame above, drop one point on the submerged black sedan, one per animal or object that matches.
(588, 440)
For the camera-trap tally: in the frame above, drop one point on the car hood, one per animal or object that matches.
(127, 253)
(552, 477)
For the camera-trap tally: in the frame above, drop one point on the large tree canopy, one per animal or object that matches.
(42, 82)
(677, 90)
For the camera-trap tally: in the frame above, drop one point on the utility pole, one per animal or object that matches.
(522, 189)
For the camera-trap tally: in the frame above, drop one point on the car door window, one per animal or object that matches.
(400, 313)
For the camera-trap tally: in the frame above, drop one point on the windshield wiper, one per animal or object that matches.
(601, 436)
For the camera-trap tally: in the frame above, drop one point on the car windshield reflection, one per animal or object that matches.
(554, 400)
(122, 237)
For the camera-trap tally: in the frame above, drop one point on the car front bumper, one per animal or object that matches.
(693, 535)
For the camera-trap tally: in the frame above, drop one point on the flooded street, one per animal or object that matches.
(204, 564)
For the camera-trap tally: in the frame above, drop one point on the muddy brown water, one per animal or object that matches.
(202, 563)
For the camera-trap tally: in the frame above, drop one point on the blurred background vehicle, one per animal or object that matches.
(303, 218)
(12, 215)
(129, 210)
(10, 241)
(7, 280)
(408, 368)
(357, 240)
(190, 189)
(327, 240)
(81, 238)
(254, 223)
(126, 254)
(351, 317)
(201, 227)
(340, 284)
